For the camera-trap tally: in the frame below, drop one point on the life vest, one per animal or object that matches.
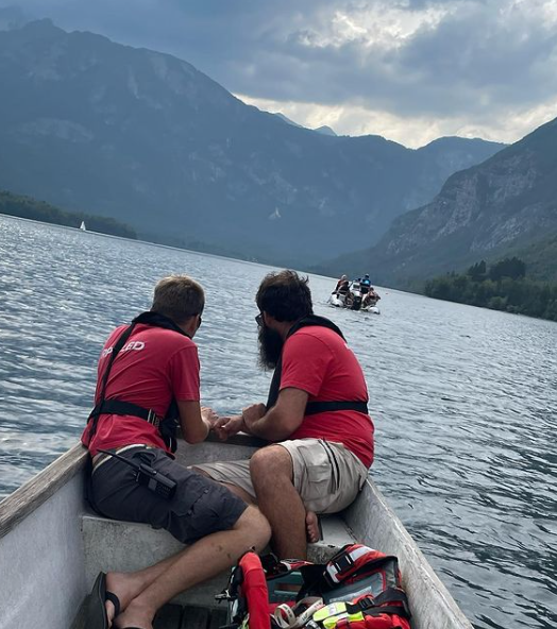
(359, 588)
(167, 425)
(366, 582)
(313, 407)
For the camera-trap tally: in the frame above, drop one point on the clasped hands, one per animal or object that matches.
(229, 425)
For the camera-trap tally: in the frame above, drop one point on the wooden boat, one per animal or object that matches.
(52, 547)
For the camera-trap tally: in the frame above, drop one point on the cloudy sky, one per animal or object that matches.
(409, 70)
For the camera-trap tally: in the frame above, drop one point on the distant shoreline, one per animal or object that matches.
(22, 206)
(142, 241)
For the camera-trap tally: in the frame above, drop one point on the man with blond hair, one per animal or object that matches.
(148, 382)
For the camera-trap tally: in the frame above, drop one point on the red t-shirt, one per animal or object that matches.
(318, 361)
(154, 365)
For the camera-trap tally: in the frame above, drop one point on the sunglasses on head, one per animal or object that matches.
(259, 319)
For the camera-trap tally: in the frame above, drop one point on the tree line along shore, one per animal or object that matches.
(26, 207)
(500, 286)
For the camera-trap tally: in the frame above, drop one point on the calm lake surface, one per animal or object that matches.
(464, 399)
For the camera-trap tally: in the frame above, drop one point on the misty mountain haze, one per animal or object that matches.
(146, 138)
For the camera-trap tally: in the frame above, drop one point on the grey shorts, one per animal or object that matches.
(327, 475)
(199, 506)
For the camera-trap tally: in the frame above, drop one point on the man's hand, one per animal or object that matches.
(252, 414)
(226, 427)
(209, 416)
(280, 421)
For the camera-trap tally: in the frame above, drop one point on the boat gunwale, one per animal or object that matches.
(38, 489)
(409, 554)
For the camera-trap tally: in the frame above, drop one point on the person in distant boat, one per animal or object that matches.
(371, 298)
(344, 290)
(146, 371)
(316, 416)
(365, 284)
(343, 278)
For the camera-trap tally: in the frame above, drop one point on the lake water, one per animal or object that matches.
(464, 399)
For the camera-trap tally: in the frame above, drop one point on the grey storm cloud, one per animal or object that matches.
(464, 56)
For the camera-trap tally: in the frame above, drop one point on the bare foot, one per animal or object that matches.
(135, 616)
(125, 587)
(312, 526)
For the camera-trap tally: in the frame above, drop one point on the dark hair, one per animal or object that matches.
(179, 298)
(285, 296)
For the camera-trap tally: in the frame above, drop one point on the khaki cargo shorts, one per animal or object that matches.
(327, 475)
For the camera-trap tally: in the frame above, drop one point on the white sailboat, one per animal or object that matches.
(82, 226)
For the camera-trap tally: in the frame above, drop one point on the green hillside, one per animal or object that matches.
(540, 258)
(26, 207)
(501, 286)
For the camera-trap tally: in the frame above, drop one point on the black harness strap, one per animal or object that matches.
(382, 604)
(119, 407)
(97, 411)
(313, 408)
(167, 425)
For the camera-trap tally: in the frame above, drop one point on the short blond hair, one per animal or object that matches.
(178, 297)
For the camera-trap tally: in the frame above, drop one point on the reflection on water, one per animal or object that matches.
(464, 399)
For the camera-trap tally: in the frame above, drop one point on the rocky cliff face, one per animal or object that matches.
(506, 203)
(146, 138)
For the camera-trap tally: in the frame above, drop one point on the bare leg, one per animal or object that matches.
(128, 585)
(271, 473)
(195, 564)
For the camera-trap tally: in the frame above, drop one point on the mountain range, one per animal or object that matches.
(147, 139)
(504, 206)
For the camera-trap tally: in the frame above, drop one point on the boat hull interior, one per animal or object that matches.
(52, 546)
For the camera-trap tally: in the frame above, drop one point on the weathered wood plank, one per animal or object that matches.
(17, 506)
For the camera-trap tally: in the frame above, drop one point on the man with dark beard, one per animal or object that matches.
(316, 415)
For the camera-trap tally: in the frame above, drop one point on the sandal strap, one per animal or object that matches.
(110, 596)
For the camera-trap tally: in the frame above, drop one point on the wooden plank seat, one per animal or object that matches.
(125, 546)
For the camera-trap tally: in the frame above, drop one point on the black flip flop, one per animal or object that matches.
(96, 609)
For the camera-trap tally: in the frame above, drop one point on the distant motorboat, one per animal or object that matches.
(82, 226)
(354, 301)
